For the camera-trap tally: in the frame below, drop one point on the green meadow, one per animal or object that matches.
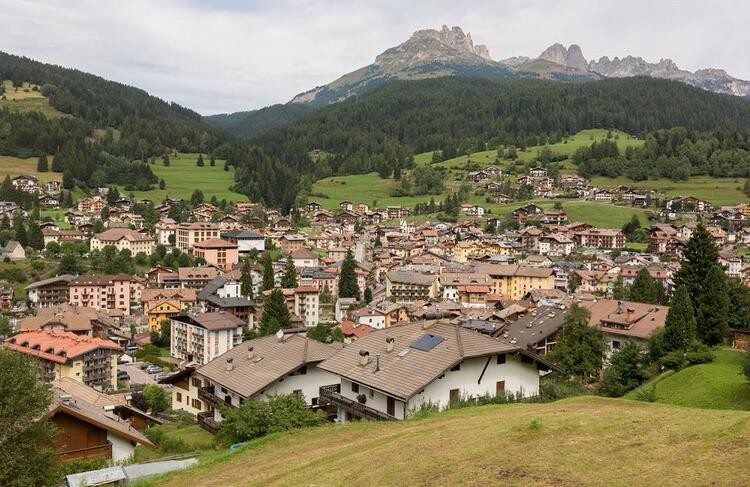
(718, 191)
(26, 99)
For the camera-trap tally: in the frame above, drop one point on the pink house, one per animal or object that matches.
(218, 252)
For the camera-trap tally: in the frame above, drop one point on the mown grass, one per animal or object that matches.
(718, 191)
(16, 166)
(25, 99)
(193, 436)
(716, 385)
(183, 176)
(581, 441)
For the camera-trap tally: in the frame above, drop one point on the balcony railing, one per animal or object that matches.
(330, 395)
(101, 451)
(207, 422)
(207, 394)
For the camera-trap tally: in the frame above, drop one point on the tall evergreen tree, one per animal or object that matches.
(712, 308)
(213, 161)
(19, 229)
(348, 287)
(289, 279)
(268, 276)
(165, 160)
(680, 326)
(57, 162)
(36, 237)
(701, 255)
(200, 162)
(645, 289)
(246, 279)
(42, 165)
(275, 314)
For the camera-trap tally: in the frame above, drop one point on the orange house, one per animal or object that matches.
(218, 252)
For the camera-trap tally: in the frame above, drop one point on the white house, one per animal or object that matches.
(246, 240)
(259, 368)
(391, 373)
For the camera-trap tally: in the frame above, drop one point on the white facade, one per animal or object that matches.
(471, 379)
(307, 307)
(197, 344)
(122, 449)
(375, 320)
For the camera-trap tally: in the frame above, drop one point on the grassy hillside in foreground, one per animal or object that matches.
(580, 441)
(716, 385)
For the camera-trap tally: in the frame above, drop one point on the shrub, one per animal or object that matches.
(554, 389)
(167, 443)
(673, 360)
(647, 394)
(694, 358)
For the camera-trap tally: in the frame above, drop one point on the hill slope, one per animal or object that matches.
(582, 441)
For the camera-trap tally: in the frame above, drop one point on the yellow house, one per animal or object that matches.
(514, 280)
(462, 250)
(396, 313)
(163, 310)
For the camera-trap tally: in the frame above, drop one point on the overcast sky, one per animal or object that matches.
(232, 55)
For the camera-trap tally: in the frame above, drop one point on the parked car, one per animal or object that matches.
(160, 376)
(154, 369)
(122, 375)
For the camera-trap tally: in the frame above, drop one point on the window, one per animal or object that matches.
(179, 397)
(197, 404)
(355, 387)
(196, 382)
(501, 359)
(297, 392)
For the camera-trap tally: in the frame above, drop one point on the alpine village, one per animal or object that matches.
(440, 269)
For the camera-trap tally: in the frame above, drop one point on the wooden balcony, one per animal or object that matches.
(207, 422)
(208, 396)
(330, 395)
(101, 451)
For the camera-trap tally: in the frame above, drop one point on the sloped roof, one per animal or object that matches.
(405, 371)
(272, 360)
(212, 321)
(56, 346)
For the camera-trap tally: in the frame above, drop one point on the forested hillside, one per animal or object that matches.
(110, 125)
(257, 122)
(380, 131)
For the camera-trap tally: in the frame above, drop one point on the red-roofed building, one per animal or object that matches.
(90, 360)
(352, 330)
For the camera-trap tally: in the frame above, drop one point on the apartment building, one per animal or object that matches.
(124, 239)
(49, 292)
(203, 337)
(90, 360)
(112, 292)
(515, 280)
(188, 234)
(407, 286)
(217, 252)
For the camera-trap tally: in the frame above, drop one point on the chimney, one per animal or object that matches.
(230, 364)
(389, 344)
(364, 358)
(250, 353)
(377, 363)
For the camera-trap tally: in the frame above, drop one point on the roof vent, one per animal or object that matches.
(250, 353)
(389, 344)
(230, 364)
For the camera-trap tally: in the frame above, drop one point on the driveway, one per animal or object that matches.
(137, 376)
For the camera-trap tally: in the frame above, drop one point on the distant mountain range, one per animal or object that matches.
(434, 53)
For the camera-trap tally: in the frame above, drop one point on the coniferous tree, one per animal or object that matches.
(701, 255)
(680, 326)
(57, 162)
(289, 279)
(165, 160)
(246, 279)
(645, 289)
(580, 347)
(268, 275)
(213, 161)
(35, 235)
(42, 165)
(162, 184)
(348, 287)
(200, 162)
(712, 308)
(19, 229)
(368, 295)
(275, 314)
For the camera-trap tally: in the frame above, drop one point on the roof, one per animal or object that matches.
(408, 277)
(626, 318)
(93, 414)
(80, 390)
(405, 371)
(73, 318)
(103, 280)
(533, 327)
(182, 295)
(203, 272)
(350, 328)
(115, 234)
(66, 278)
(56, 346)
(272, 359)
(212, 321)
(513, 270)
(215, 243)
(304, 253)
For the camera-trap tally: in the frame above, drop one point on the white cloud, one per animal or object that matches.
(233, 55)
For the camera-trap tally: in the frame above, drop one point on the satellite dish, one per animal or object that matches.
(280, 334)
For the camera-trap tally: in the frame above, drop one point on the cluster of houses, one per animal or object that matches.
(453, 311)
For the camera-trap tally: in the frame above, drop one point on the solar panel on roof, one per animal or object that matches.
(426, 342)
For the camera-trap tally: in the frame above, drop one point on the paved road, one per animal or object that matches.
(137, 376)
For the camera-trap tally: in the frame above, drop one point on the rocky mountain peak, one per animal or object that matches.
(572, 57)
(435, 45)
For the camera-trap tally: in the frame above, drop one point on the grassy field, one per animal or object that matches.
(15, 166)
(183, 176)
(716, 385)
(25, 99)
(583, 138)
(581, 441)
(719, 191)
(194, 436)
